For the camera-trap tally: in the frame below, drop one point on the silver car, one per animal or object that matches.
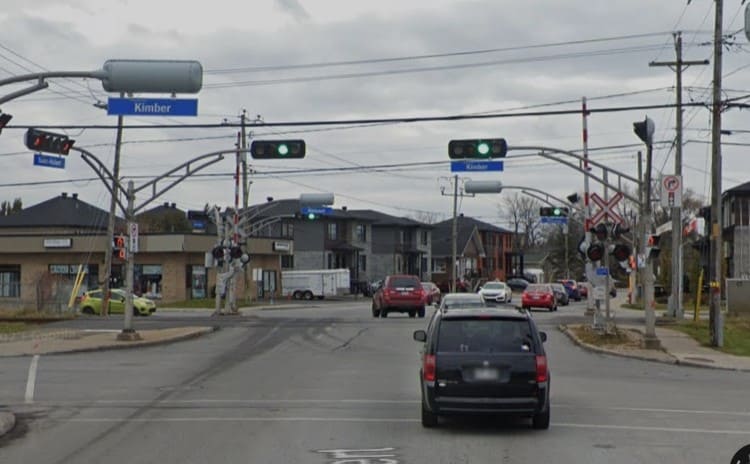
(496, 292)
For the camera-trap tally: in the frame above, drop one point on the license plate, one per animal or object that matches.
(486, 373)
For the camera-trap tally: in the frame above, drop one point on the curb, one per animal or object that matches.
(179, 338)
(7, 422)
(564, 329)
(675, 361)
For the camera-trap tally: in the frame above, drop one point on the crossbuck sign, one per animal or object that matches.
(607, 209)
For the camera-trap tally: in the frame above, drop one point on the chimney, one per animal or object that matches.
(166, 204)
(75, 196)
(65, 195)
(174, 205)
(343, 208)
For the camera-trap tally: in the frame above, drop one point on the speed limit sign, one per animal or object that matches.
(671, 191)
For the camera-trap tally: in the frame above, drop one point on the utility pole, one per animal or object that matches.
(675, 301)
(454, 229)
(715, 272)
(112, 217)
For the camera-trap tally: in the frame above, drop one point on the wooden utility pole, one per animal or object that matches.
(675, 302)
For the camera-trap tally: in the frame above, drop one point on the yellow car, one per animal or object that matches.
(91, 303)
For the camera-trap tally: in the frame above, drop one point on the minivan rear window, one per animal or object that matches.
(484, 336)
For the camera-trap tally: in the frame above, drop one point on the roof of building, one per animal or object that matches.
(60, 211)
(381, 219)
(742, 188)
(442, 234)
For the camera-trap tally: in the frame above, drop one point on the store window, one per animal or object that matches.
(198, 282)
(287, 261)
(10, 281)
(69, 272)
(333, 231)
(147, 281)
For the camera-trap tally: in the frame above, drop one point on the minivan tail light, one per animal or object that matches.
(541, 368)
(428, 368)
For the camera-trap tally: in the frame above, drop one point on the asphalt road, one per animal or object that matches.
(331, 384)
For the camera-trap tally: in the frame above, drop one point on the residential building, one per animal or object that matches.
(483, 251)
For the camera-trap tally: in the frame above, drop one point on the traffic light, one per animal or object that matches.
(49, 142)
(652, 246)
(277, 149)
(477, 149)
(645, 130)
(595, 252)
(118, 247)
(554, 211)
(621, 252)
(4, 120)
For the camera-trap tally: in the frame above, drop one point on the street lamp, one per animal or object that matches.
(645, 131)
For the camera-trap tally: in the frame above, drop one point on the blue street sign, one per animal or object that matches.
(554, 220)
(476, 166)
(152, 106)
(602, 271)
(312, 210)
(49, 161)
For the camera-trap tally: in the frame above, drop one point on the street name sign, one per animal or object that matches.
(476, 166)
(312, 210)
(49, 161)
(554, 220)
(152, 106)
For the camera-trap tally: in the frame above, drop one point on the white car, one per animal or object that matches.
(496, 292)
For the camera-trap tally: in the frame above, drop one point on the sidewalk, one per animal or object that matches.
(73, 341)
(677, 347)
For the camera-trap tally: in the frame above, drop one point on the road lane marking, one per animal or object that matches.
(644, 428)
(392, 420)
(31, 380)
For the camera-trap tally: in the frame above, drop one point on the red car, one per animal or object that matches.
(399, 293)
(539, 296)
(432, 293)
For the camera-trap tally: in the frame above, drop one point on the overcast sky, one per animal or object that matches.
(494, 56)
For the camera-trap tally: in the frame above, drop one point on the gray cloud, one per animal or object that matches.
(294, 8)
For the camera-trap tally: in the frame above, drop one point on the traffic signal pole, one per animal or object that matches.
(128, 332)
(111, 220)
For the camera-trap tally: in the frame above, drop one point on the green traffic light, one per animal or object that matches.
(311, 216)
(483, 148)
(283, 149)
(556, 211)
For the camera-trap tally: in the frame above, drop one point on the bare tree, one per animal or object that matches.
(426, 217)
(523, 212)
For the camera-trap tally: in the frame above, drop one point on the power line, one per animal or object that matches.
(404, 120)
(560, 56)
(251, 69)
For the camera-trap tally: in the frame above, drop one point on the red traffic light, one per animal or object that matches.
(49, 142)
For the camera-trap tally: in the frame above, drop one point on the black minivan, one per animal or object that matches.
(488, 361)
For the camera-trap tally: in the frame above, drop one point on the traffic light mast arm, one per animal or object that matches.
(543, 153)
(42, 84)
(104, 174)
(215, 158)
(545, 198)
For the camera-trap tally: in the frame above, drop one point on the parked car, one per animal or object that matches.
(91, 303)
(496, 292)
(517, 283)
(399, 293)
(462, 301)
(572, 287)
(483, 361)
(561, 293)
(432, 293)
(539, 296)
